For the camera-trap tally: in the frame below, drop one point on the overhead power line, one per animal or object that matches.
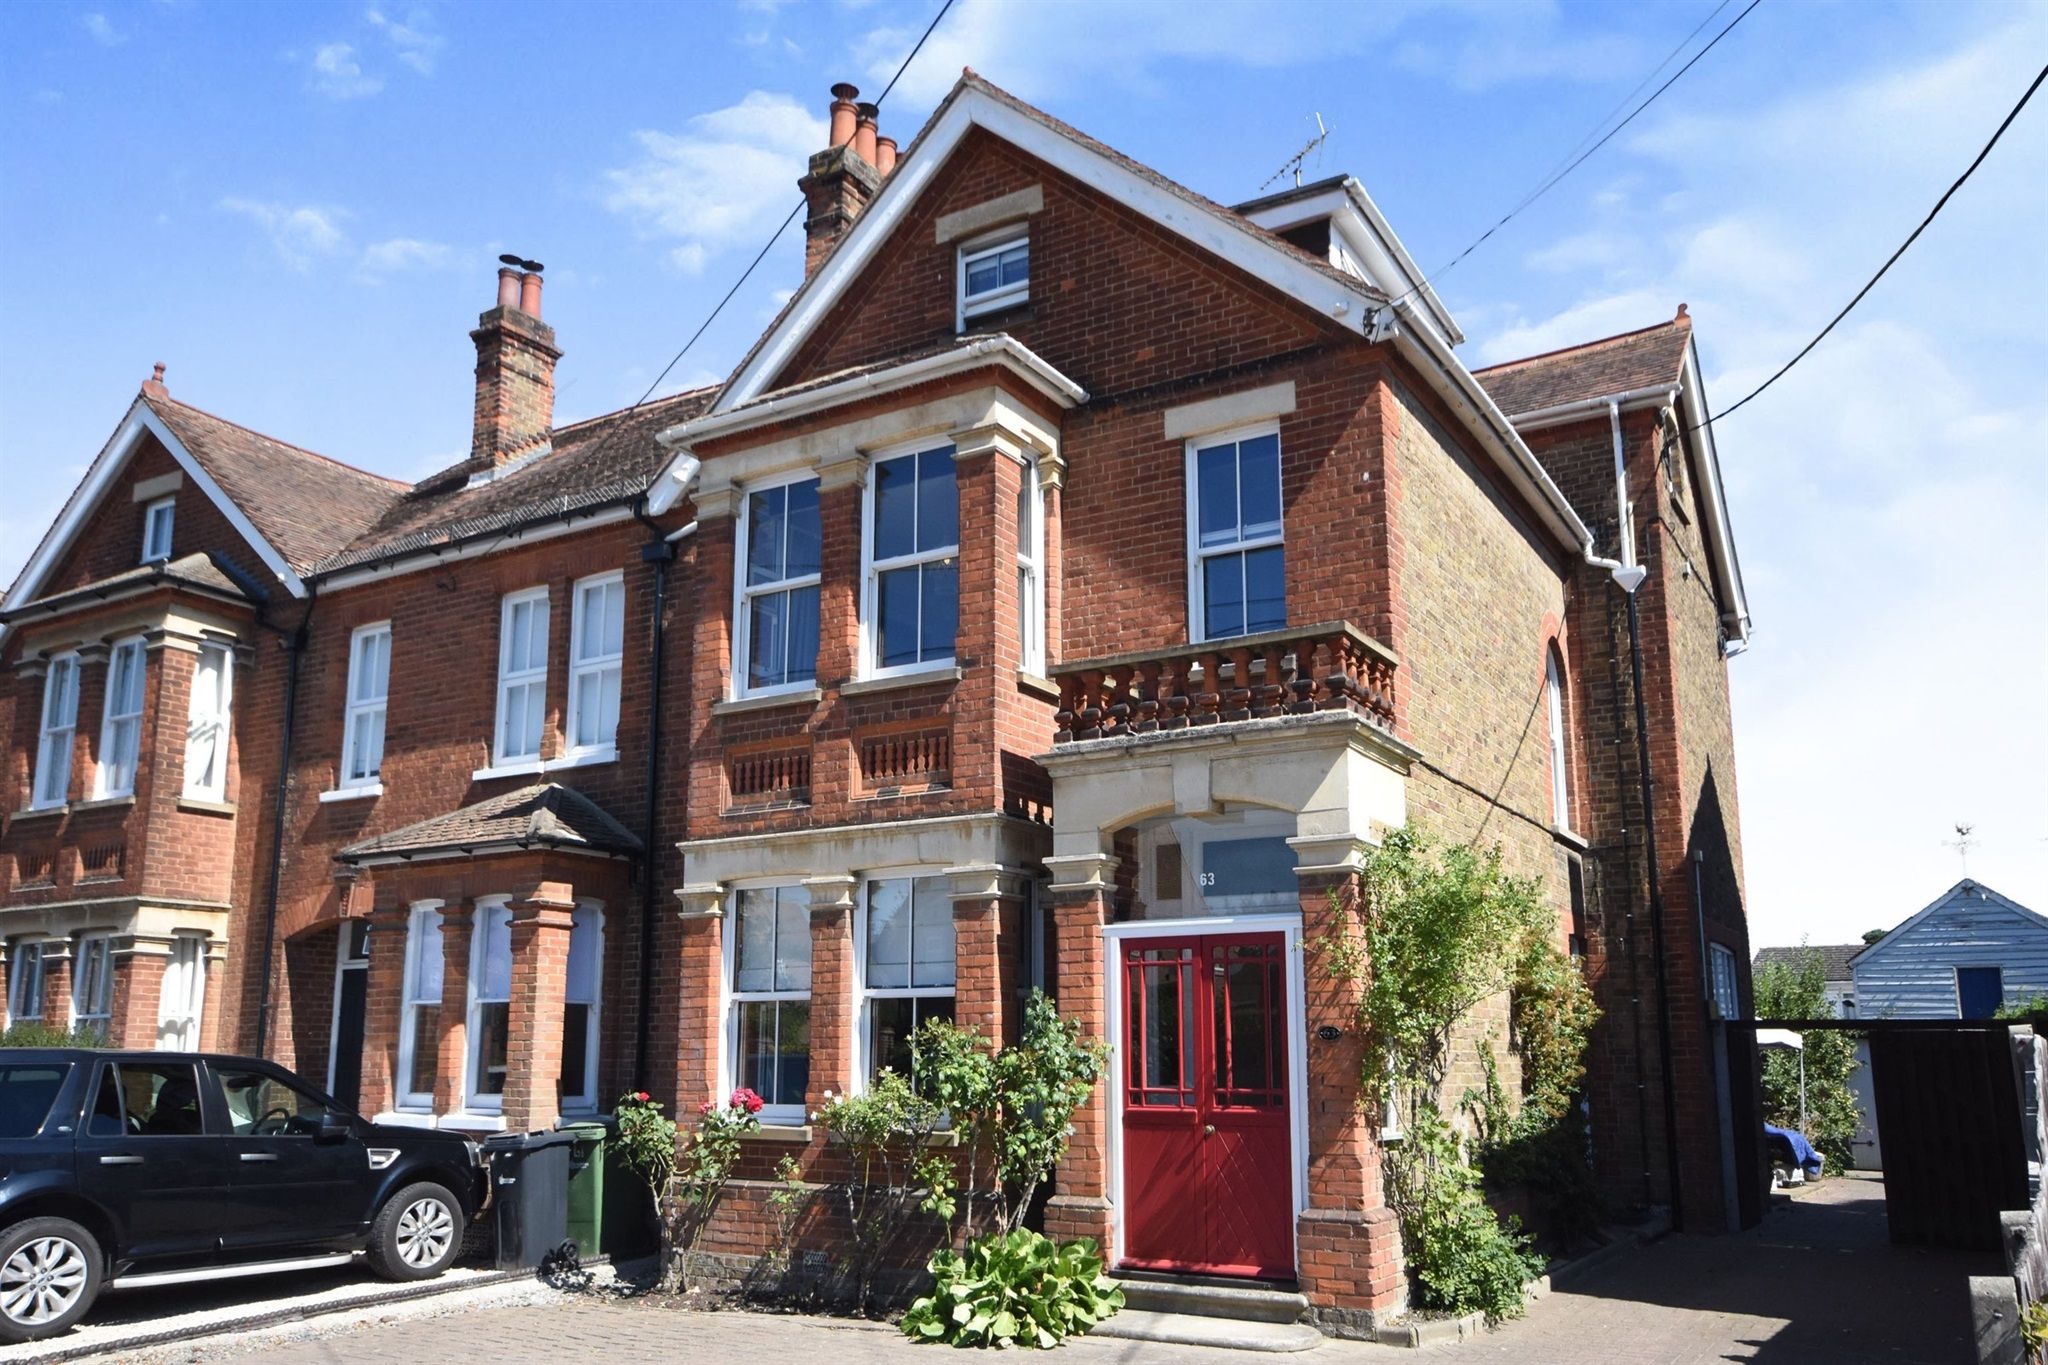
(1551, 181)
(1889, 260)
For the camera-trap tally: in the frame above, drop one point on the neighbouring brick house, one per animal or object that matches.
(1069, 589)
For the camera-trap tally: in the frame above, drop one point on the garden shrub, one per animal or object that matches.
(1799, 991)
(685, 1175)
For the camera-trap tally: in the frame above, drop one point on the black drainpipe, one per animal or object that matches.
(296, 655)
(659, 552)
(1635, 660)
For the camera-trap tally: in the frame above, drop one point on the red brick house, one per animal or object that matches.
(1068, 589)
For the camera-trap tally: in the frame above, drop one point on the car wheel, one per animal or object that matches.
(417, 1234)
(50, 1273)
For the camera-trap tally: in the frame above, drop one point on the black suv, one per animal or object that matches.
(161, 1167)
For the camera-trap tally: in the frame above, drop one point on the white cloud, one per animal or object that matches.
(405, 253)
(102, 30)
(299, 235)
(726, 178)
(338, 75)
(412, 44)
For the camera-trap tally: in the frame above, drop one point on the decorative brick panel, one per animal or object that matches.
(780, 774)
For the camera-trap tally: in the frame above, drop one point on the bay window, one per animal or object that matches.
(490, 1004)
(907, 964)
(777, 622)
(769, 956)
(1236, 581)
(578, 1087)
(183, 996)
(913, 577)
(25, 981)
(206, 729)
(522, 675)
(369, 690)
(121, 725)
(1031, 569)
(92, 985)
(60, 725)
(419, 1018)
(597, 650)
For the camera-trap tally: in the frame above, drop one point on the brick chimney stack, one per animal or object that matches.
(844, 178)
(515, 372)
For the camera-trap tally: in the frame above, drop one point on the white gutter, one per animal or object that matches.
(1536, 419)
(1431, 355)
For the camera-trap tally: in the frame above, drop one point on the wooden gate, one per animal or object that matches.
(1948, 1121)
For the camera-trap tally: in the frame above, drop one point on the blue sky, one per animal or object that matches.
(298, 208)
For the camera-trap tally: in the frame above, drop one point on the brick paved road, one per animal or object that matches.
(1817, 1284)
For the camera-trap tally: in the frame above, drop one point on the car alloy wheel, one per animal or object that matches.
(42, 1280)
(425, 1231)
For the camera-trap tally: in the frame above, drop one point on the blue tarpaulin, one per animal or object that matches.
(1802, 1150)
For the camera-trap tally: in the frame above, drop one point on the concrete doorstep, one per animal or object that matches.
(1197, 1312)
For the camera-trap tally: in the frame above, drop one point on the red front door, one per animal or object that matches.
(1208, 1183)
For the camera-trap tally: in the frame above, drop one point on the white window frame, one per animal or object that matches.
(209, 724)
(474, 1101)
(586, 925)
(356, 708)
(121, 731)
(1727, 983)
(863, 1047)
(737, 999)
(181, 1003)
(59, 733)
(603, 665)
(1560, 749)
(872, 569)
(1002, 296)
(156, 546)
(1031, 571)
(90, 1007)
(744, 593)
(421, 988)
(1198, 606)
(523, 679)
(25, 968)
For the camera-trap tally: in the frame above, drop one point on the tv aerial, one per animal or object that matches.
(1293, 164)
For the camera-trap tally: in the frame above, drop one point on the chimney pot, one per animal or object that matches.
(864, 134)
(885, 155)
(844, 112)
(529, 294)
(154, 385)
(508, 287)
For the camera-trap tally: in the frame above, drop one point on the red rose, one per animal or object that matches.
(747, 1100)
(705, 1108)
(640, 1095)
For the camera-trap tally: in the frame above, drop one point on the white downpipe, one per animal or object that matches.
(1627, 572)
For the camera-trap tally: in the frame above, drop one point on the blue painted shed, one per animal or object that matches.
(1962, 957)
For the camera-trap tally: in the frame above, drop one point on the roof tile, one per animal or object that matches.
(547, 815)
(1633, 360)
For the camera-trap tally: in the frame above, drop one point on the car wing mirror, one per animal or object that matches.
(335, 1125)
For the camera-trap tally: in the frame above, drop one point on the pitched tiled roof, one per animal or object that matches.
(1633, 360)
(1834, 958)
(212, 573)
(306, 505)
(547, 815)
(593, 464)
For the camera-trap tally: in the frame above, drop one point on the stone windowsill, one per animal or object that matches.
(200, 806)
(367, 791)
(1034, 685)
(1570, 839)
(951, 673)
(796, 1135)
(806, 696)
(105, 803)
(41, 813)
(538, 767)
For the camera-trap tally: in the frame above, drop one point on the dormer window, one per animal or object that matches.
(156, 530)
(995, 272)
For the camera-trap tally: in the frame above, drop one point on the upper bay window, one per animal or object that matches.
(597, 652)
(206, 728)
(157, 521)
(1031, 569)
(60, 724)
(995, 272)
(778, 588)
(913, 578)
(771, 996)
(907, 964)
(121, 725)
(369, 688)
(522, 675)
(1236, 582)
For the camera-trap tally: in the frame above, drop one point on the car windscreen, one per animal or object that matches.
(27, 1090)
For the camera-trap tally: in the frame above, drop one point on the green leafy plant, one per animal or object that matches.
(1798, 990)
(35, 1033)
(887, 1131)
(1017, 1288)
(2034, 1328)
(1462, 1259)
(685, 1174)
(1013, 1107)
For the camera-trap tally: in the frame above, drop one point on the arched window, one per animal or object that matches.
(1560, 761)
